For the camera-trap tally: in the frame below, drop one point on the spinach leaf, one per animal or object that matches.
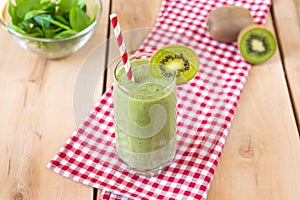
(67, 5)
(43, 20)
(25, 25)
(17, 28)
(33, 13)
(46, 5)
(24, 6)
(79, 20)
(62, 20)
(47, 19)
(65, 34)
(37, 32)
(11, 9)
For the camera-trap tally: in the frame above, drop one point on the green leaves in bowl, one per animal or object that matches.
(50, 19)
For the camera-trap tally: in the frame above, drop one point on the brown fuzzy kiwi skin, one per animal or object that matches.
(225, 23)
(241, 35)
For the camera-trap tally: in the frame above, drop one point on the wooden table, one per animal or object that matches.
(261, 156)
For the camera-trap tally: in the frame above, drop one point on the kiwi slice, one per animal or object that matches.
(256, 44)
(179, 58)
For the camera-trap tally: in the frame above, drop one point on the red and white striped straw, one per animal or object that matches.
(121, 44)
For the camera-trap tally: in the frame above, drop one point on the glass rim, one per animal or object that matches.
(120, 62)
(170, 84)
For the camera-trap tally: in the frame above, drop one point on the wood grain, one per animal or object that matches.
(36, 117)
(287, 21)
(261, 157)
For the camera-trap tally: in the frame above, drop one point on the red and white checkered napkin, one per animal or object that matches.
(205, 109)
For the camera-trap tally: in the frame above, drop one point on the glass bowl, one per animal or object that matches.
(52, 48)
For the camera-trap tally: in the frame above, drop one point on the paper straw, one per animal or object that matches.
(121, 44)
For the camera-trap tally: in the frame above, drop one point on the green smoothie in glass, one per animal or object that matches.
(145, 118)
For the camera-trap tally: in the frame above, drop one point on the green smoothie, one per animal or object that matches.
(145, 118)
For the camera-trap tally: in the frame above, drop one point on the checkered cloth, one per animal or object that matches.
(206, 106)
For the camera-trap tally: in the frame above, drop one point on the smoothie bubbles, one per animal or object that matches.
(145, 107)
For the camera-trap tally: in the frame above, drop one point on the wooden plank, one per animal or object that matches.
(261, 156)
(36, 117)
(286, 15)
(135, 27)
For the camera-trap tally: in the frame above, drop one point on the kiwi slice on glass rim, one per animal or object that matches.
(256, 44)
(179, 58)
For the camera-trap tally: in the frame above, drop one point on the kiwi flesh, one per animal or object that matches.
(256, 44)
(225, 23)
(181, 59)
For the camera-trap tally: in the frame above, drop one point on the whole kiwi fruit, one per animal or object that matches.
(225, 23)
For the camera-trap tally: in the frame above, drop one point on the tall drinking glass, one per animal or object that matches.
(145, 118)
